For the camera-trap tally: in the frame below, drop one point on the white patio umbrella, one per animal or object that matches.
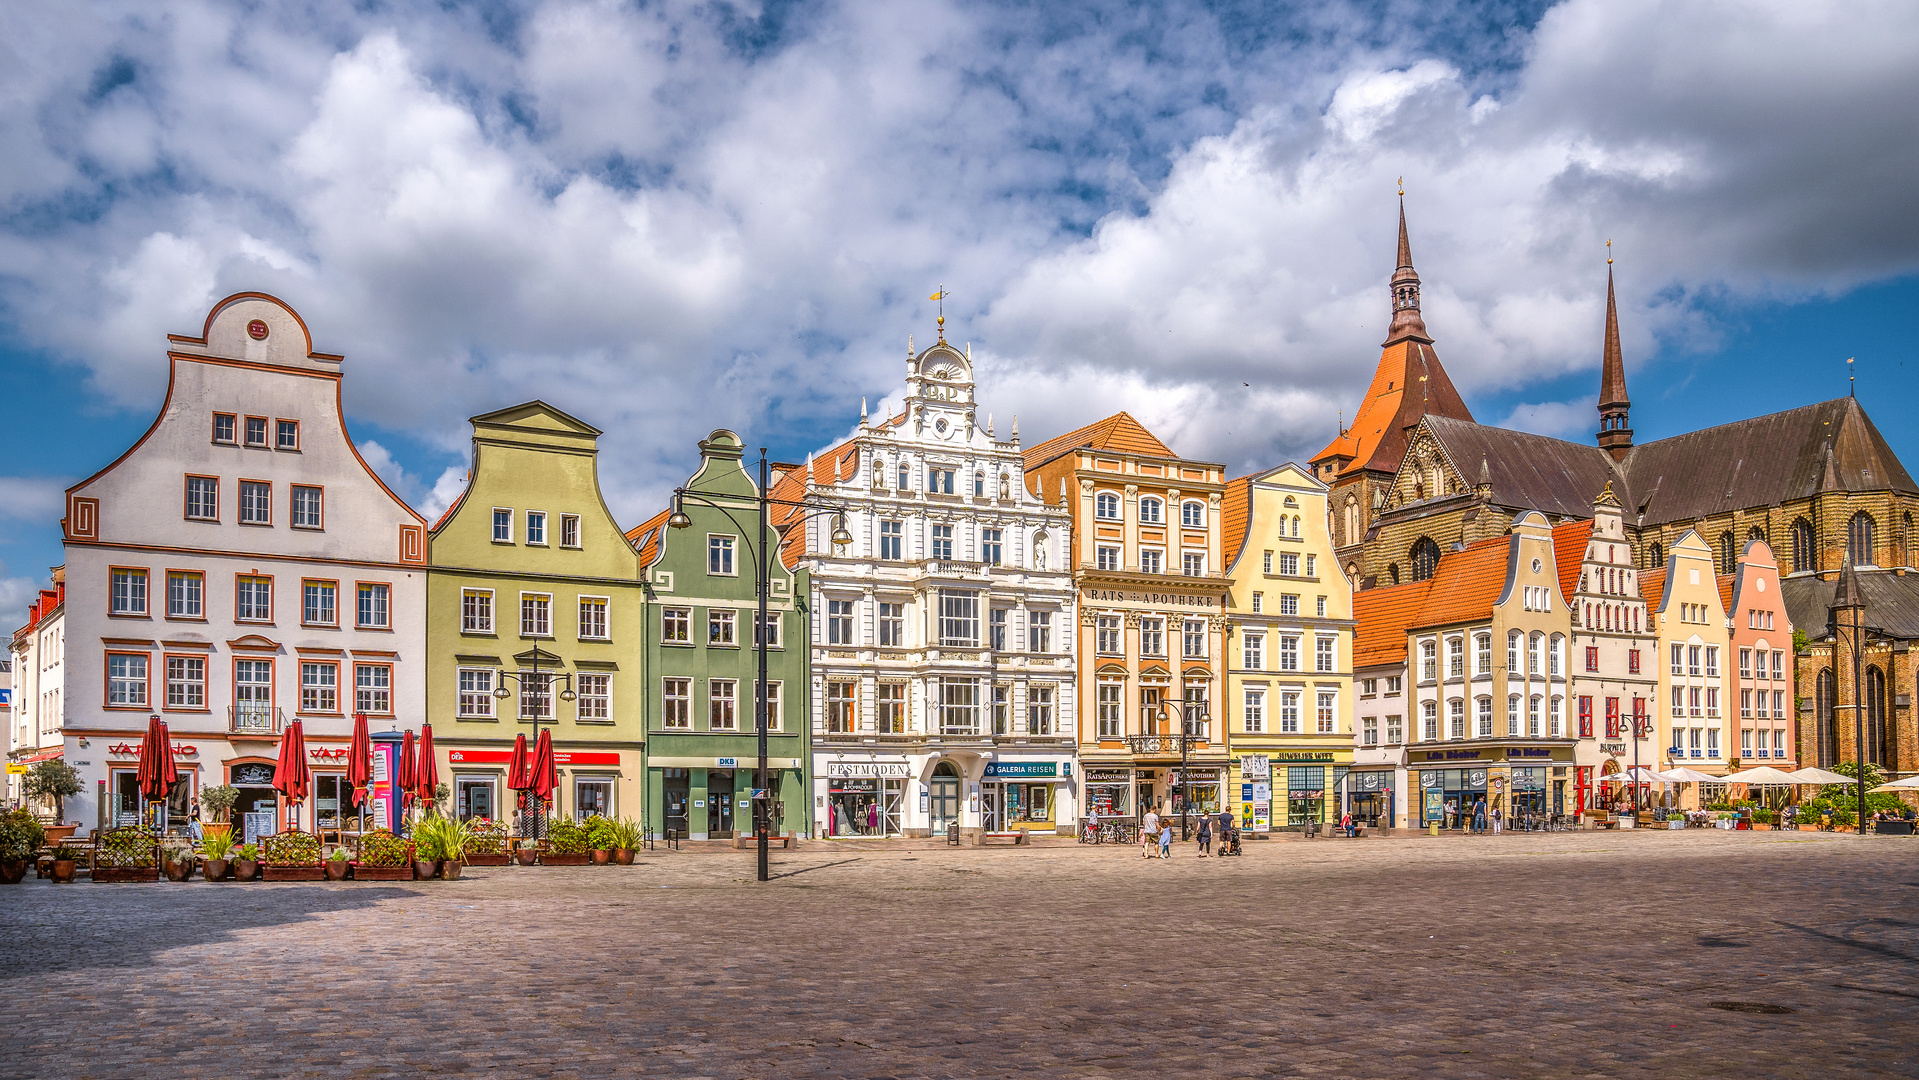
(1693, 776)
(1644, 775)
(1910, 783)
(1763, 776)
(1810, 775)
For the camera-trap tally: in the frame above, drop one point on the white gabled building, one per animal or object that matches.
(943, 636)
(237, 568)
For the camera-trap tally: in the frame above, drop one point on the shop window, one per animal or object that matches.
(592, 796)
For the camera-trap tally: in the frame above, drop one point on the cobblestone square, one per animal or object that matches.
(1564, 955)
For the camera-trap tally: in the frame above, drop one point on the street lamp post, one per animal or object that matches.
(762, 577)
(536, 809)
(1855, 634)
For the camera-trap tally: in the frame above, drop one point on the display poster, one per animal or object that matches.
(1262, 807)
(1255, 767)
(380, 790)
(1435, 805)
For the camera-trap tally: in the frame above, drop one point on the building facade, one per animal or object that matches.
(1762, 641)
(700, 664)
(37, 687)
(534, 589)
(943, 650)
(1615, 658)
(1147, 557)
(238, 568)
(1288, 701)
(1692, 650)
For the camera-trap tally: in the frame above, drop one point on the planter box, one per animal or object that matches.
(547, 858)
(315, 872)
(121, 875)
(363, 872)
(488, 860)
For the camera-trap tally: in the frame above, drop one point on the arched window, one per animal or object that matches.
(1106, 506)
(1859, 539)
(1655, 557)
(1295, 526)
(1756, 533)
(1878, 747)
(979, 486)
(1512, 651)
(1192, 515)
(1392, 572)
(1425, 558)
(1149, 511)
(1822, 712)
(1290, 502)
(1352, 520)
(1728, 558)
(1801, 545)
(1555, 655)
(906, 480)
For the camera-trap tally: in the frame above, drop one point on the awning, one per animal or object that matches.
(41, 755)
(1910, 783)
(1763, 776)
(1694, 776)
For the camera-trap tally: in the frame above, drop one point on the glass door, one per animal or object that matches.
(475, 797)
(943, 800)
(677, 788)
(992, 806)
(719, 803)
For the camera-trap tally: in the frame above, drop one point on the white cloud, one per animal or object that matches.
(446, 489)
(35, 499)
(1573, 421)
(665, 219)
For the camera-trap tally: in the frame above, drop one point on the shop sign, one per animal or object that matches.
(1106, 776)
(253, 774)
(1303, 755)
(14, 768)
(1255, 766)
(133, 750)
(1007, 770)
(1153, 598)
(729, 763)
(334, 754)
(1452, 755)
(1616, 749)
(846, 769)
(505, 757)
(1529, 751)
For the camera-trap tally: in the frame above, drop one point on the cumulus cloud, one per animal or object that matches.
(672, 217)
(38, 499)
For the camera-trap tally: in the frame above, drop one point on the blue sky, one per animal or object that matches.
(671, 216)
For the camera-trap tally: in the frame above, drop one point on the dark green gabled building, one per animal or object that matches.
(701, 742)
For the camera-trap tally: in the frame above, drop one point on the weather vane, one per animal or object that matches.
(941, 297)
(1608, 251)
(1402, 187)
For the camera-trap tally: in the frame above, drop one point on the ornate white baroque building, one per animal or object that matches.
(943, 635)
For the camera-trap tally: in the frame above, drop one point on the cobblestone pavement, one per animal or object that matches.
(1567, 955)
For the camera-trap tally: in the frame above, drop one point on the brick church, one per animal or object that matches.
(1415, 476)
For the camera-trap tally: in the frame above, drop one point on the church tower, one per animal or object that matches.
(1615, 429)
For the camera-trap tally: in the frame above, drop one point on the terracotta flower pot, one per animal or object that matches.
(623, 856)
(178, 869)
(529, 856)
(336, 869)
(602, 857)
(450, 870)
(215, 869)
(13, 872)
(64, 871)
(246, 869)
(423, 869)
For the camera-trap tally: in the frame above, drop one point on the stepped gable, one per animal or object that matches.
(1381, 618)
(1762, 461)
(1533, 472)
(1891, 602)
(1119, 433)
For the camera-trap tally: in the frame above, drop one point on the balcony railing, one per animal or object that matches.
(254, 719)
(1163, 744)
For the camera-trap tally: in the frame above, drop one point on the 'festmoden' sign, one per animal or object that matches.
(1151, 599)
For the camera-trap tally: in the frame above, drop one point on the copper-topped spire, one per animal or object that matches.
(1407, 325)
(1615, 430)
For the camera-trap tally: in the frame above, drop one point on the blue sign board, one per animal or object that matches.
(1022, 770)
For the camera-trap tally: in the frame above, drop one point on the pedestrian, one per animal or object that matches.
(1346, 824)
(1452, 813)
(193, 824)
(1205, 835)
(1092, 823)
(1148, 834)
(1497, 818)
(1166, 840)
(1479, 816)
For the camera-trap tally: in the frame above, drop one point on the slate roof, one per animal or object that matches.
(1532, 472)
(1892, 602)
(1119, 433)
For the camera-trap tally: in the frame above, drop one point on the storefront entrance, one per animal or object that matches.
(1004, 806)
(1462, 789)
(1106, 793)
(1305, 794)
(1369, 798)
(476, 797)
(1528, 807)
(864, 806)
(676, 786)
(943, 799)
(719, 804)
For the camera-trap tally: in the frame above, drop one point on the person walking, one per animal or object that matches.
(1166, 839)
(1148, 834)
(1497, 818)
(1479, 816)
(1205, 835)
(1452, 813)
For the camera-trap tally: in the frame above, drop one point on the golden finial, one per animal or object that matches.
(1609, 252)
(1402, 187)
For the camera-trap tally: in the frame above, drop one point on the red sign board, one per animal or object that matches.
(505, 757)
(133, 749)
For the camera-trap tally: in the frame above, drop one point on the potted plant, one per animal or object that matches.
(454, 837)
(528, 852)
(20, 837)
(56, 780)
(567, 844)
(177, 860)
(336, 865)
(246, 862)
(217, 801)
(292, 856)
(66, 865)
(486, 843)
(429, 847)
(218, 853)
(128, 853)
(600, 839)
(383, 857)
(626, 840)
(1761, 818)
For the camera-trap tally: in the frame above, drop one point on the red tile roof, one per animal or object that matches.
(1569, 550)
(1467, 584)
(1381, 618)
(1652, 587)
(646, 537)
(1725, 594)
(1118, 433)
(1377, 438)
(1236, 517)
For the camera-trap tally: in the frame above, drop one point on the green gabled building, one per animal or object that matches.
(532, 586)
(701, 666)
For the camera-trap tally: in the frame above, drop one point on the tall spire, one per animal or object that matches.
(1407, 325)
(1615, 429)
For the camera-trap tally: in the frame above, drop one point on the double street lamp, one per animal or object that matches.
(539, 687)
(762, 576)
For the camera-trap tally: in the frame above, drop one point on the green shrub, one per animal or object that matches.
(567, 837)
(21, 834)
(292, 849)
(626, 834)
(247, 853)
(54, 779)
(217, 846)
(382, 848)
(218, 800)
(1762, 816)
(600, 834)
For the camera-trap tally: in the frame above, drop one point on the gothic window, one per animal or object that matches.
(1425, 558)
(1728, 558)
(1756, 533)
(1352, 520)
(1392, 573)
(1655, 557)
(1801, 545)
(1878, 747)
(1859, 539)
(1822, 713)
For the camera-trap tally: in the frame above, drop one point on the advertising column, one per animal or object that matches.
(1256, 793)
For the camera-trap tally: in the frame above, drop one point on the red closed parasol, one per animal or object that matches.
(359, 760)
(426, 771)
(409, 768)
(291, 775)
(157, 773)
(545, 777)
(519, 771)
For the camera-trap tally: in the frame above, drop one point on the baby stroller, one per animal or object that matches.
(1229, 843)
